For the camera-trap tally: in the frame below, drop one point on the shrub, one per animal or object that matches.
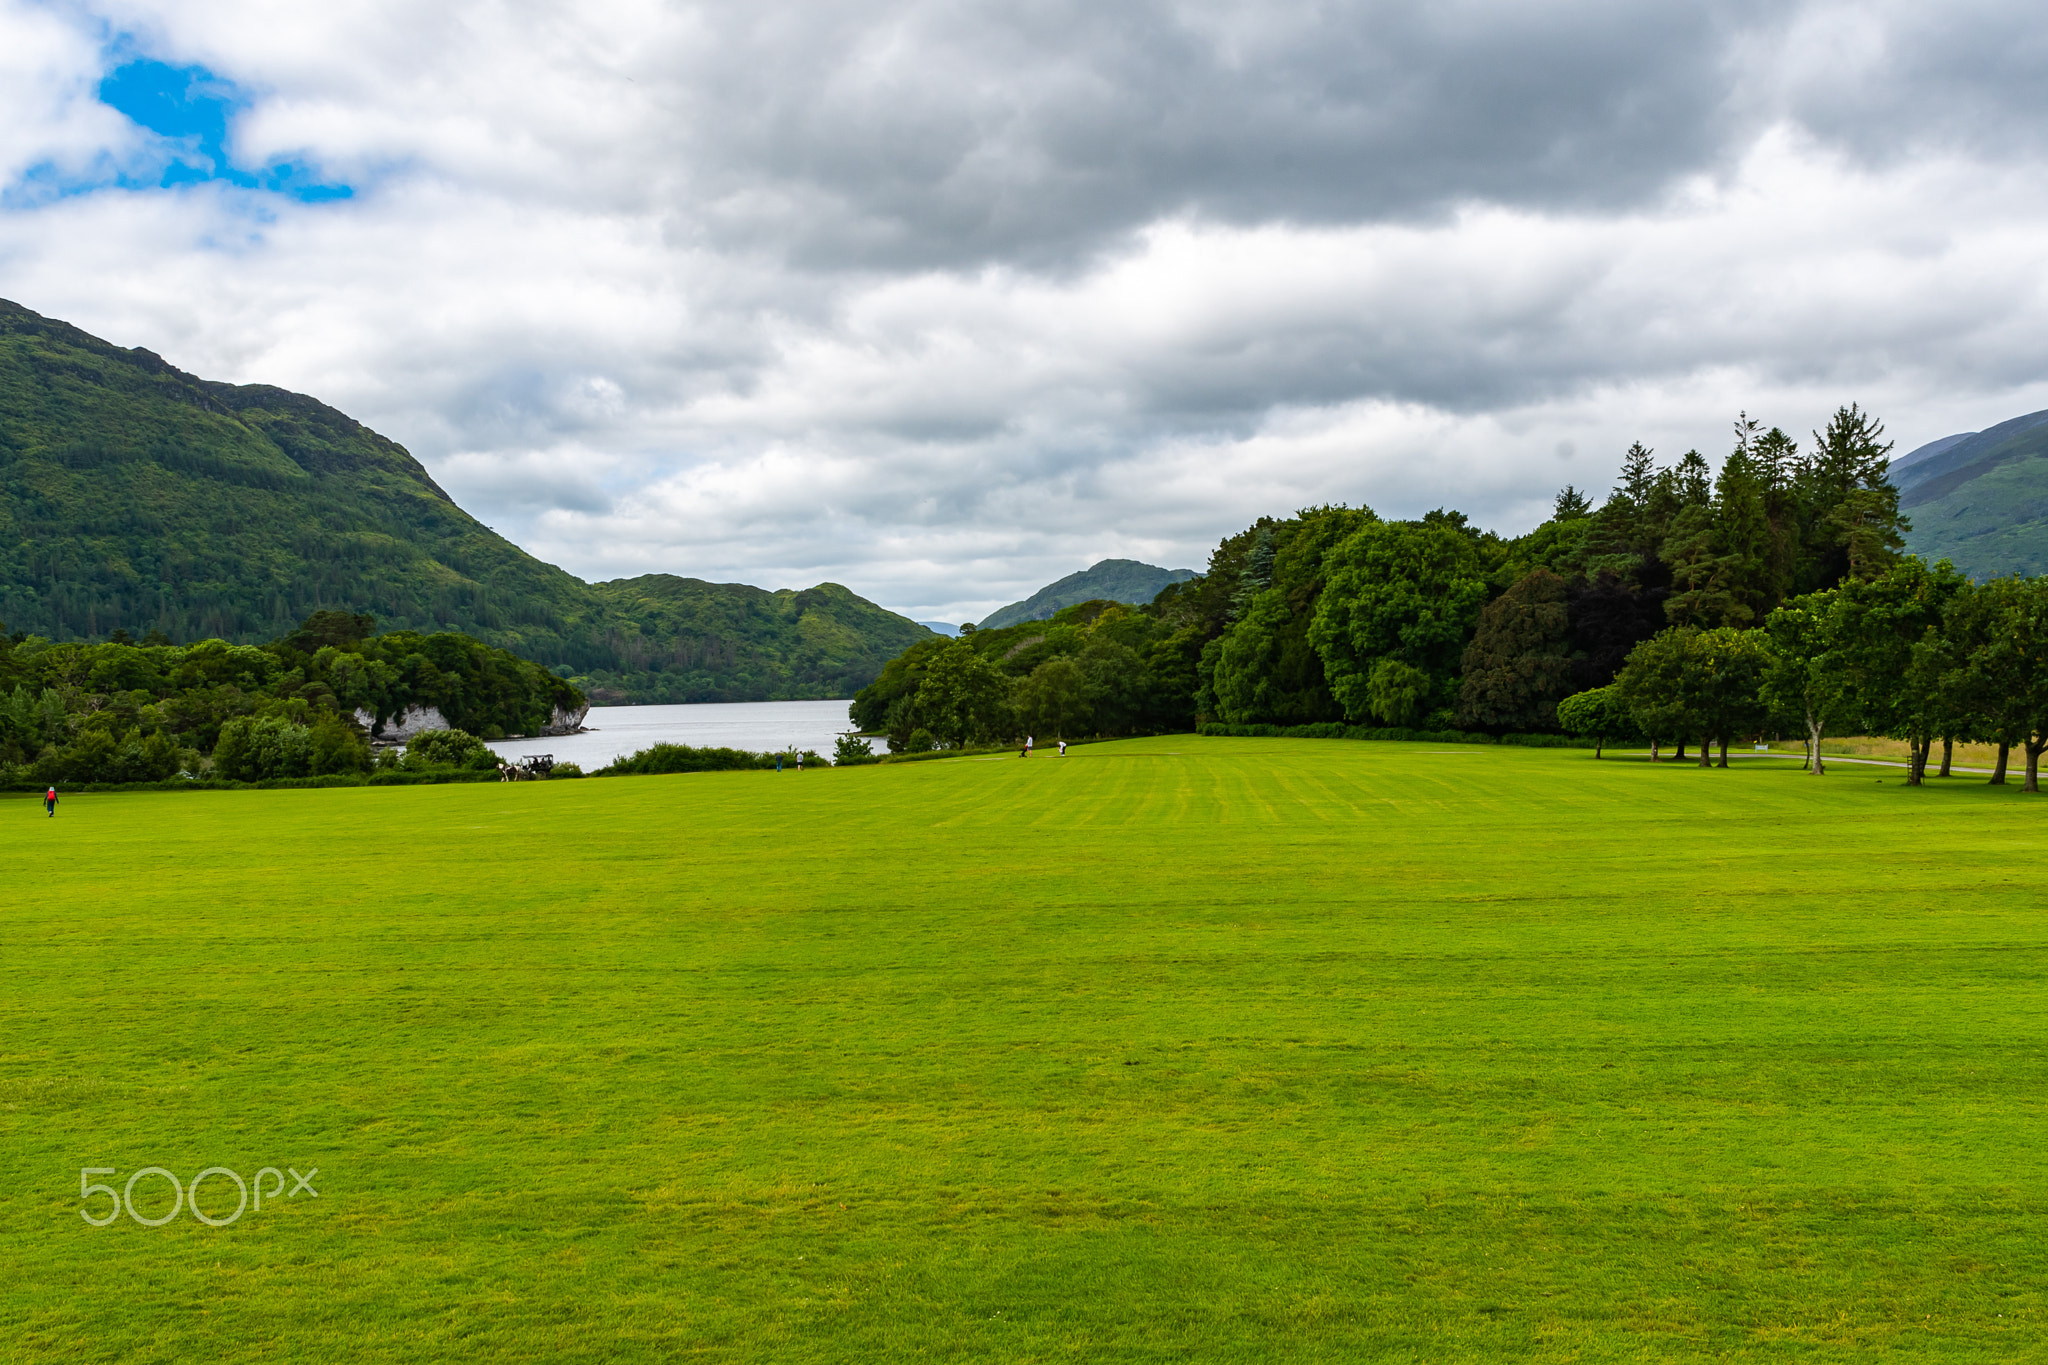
(336, 747)
(851, 750)
(448, 749)
(252, 749)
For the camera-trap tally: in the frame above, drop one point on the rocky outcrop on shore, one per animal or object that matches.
(415, 720)
(566, 721)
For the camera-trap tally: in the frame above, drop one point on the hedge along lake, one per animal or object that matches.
(611, 732)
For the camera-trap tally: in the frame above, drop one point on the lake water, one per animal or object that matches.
(757, 726)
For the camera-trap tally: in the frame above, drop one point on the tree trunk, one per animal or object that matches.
(2035, 744)
(1706, 752)
(1948, 752)
(1998, 772)
(1916, 761)
(1724, 753)
(1596, 748)
(1679, 757)
(1813, 763)
(1653, 749)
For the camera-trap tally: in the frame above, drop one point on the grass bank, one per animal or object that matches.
(1194, 1048)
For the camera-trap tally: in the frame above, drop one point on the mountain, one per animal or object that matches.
(1980, 499)
(139, 497)
(1112, 580)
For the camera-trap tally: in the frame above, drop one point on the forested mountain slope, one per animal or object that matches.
(1111, 580)
(1980, 499)
(135, 496)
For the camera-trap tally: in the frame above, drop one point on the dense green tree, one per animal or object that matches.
(1598, 714)
(1264, 670)
(1652, 688)
(448, 749)
(2007, 667)
(1853, 525)
(1262, 667)
(963, 699)
(1880, 636)
(253, 749)
(1407, 593)
(1724, 671)
(1519, 666)
(1804, 680)
(1609, 618)
(1989, 683)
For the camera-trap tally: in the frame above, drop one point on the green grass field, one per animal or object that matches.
(1175, 1049)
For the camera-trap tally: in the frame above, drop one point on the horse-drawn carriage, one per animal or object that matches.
(527, 769)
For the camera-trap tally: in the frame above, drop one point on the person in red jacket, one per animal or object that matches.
(50, 802)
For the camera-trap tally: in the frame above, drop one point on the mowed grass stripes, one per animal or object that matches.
(1180, 1048)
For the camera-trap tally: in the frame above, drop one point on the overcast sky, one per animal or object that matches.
(943, 301)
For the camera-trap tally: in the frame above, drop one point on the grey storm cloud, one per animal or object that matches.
(943, 301)
(949, 135)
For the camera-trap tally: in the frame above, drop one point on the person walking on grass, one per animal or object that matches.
(1063, 748)
(50, 802)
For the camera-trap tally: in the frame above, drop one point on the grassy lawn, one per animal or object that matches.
(1176, 1049)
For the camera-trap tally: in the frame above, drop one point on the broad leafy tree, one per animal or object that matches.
(1406, 593)
(1519, 665)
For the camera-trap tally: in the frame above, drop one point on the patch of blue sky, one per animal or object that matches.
(189, 109)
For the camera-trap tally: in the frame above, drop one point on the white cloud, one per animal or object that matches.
(943, 304)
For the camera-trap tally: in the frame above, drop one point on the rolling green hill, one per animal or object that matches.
(1111, 580)
(136, 496)
(1980, 499)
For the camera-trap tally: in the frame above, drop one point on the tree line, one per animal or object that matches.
(305, 705)
(1917, 653)
(1339, 616)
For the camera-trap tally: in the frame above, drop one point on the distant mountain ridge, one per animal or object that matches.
(136, 496)
(1980, 498)
(1113, 580)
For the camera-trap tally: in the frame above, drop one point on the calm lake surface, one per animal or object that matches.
(757, 726)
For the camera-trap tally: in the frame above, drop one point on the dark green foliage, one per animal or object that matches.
(138, 498)
(1335, 617)
(850, 750)
(448, 749)
(98, 755)
(1406, 594)
(1263, 667)
(1097, 668)
(684, 758)
(963, 698)
(488, 692)
(1880, 636)
(130, 713)
(1609, 618)
(1599, 714)
(1652, 687)
(1519, 663)
(253, 748)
